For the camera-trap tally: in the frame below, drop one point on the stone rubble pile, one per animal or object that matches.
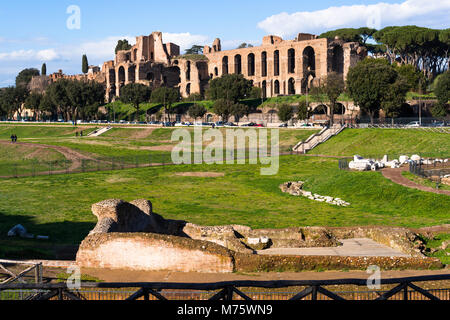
(361, 164)
(296, 189)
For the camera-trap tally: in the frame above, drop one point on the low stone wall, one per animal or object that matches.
(153, 252)
(256, 263)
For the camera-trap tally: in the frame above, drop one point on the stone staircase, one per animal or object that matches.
(318, 138)
(99, 132)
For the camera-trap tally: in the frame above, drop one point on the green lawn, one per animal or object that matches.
(423, 181)
(59, 206)
(394, 142)
(40, 131)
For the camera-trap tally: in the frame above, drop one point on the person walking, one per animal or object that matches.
(12, 138)
(15, 138)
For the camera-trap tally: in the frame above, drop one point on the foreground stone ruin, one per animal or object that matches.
(131, 236)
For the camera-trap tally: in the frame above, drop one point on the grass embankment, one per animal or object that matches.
(424, 182)
(59, 206)
(393, 142)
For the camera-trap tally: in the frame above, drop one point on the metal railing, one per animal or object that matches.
(403, 289)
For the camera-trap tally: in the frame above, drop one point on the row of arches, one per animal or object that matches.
(308, 56)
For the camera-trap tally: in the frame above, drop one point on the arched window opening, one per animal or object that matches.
(237, 64)
(291, 60)
(291, 86)
(225, 65)
(276, 89)
(276, 63)
(251, 64)
(264, 64)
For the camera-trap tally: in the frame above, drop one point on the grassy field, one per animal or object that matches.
(423, 181)
(378, 142)
(242, 196)
(59, 205)
(40, 131)
(130, 142)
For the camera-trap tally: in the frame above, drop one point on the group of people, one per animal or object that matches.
(13, 138)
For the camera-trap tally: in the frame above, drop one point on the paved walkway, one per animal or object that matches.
(395, 175)
(351, 248)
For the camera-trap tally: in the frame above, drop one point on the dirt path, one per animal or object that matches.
(395, 175)
(74, 156)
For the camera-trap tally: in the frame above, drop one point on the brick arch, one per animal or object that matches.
(309, 61)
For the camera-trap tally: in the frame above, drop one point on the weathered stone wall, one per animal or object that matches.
(152, 252)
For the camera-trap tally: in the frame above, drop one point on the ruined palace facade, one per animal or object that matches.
(286, 67)
(154, 63)
(278, 67)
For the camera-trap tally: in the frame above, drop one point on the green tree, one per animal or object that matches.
(368, 82)
(197, 111)
(240, 110)
(24, 77)
(84, 64)
(395, 97)
(57, 92)
(223, 108)
(33, 102)
(47, 106)
(245, 45)
(135, 94)
(122, 45)
(303, 110)
(285, 112)
(333, 87)
(442, 92)
(414, 78)
(231, 87)
(167, 97)
(417, 46)
(44, 69)
(195, 49)
(12, 100)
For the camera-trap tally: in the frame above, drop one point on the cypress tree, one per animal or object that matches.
(44, 70)
(85, 64)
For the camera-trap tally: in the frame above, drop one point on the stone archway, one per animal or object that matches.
(309, 61)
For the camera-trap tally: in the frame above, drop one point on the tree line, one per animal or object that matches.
(427, 50)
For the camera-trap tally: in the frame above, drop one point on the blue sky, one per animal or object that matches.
(33, 32)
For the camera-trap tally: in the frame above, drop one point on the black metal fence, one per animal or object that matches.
(27, 168)
(399, 289)
(434, 172)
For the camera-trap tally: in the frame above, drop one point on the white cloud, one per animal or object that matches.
(430, 13)
(30, 55)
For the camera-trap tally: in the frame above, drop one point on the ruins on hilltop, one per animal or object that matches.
(278, 67)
